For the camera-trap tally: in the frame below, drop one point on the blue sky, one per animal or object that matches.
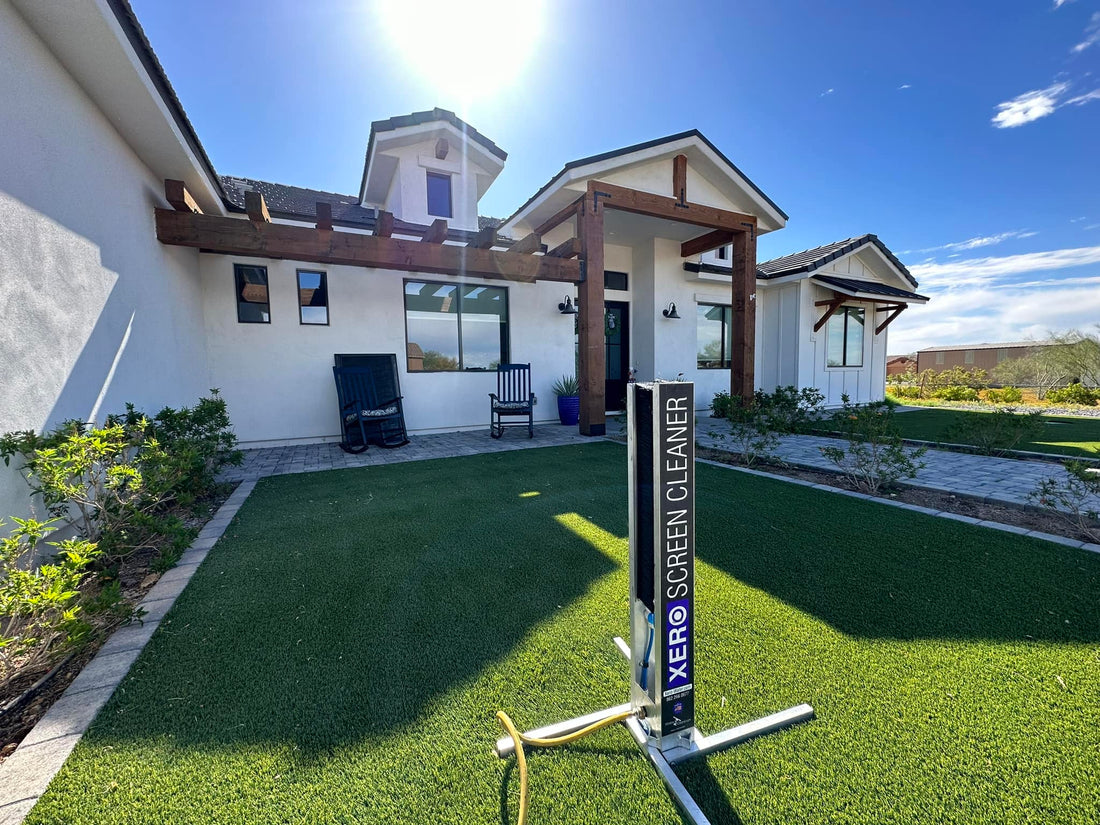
(964, 134)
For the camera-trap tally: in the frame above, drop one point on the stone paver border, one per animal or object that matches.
(916, 508)
(25, 774)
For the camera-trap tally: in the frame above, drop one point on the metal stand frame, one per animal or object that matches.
(696, 744)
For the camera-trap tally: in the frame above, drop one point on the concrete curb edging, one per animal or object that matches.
(25, 774)
(994, 525)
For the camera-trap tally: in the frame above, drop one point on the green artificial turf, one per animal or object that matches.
(339, 656)
(1062, 435)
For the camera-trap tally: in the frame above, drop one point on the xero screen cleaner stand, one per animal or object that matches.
(661, 444)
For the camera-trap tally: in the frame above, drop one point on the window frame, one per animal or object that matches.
(968, 357)
(324, 285)
(844, 312)
(450, 193)
(506, 339)
(614, 272)
(722, 253)
(940, 358)
(237, 282)
(727, 322)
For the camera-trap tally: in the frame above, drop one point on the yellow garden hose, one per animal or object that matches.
(519, 740)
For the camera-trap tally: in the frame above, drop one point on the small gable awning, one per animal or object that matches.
(869, 290)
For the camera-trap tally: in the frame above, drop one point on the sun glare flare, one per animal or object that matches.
(464, 50)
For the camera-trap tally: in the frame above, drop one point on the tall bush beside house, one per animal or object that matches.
(721, 405)
(1073, 394)
(875, 456)
(39, 602)
(568, 391)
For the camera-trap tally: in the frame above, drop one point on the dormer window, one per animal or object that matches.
(439, 195)
(722, 253)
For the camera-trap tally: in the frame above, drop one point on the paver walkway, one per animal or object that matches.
(306, 458)
(986, 477)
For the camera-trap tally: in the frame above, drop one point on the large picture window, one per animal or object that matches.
(452, 327)
(252, 302)
(714, 336)
(844, 336)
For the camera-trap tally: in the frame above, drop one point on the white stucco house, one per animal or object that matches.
(130, 270)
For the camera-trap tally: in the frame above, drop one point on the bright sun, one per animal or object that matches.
(464, 48)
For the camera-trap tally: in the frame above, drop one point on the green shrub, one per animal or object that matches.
(1072, 497)
(1073, 394)
(789, 409)
(39, 603)
(875, 456)
(751, 434)
(998, 431)
(1006, 395)
(904, 392)
(721, 405)
(956, 393)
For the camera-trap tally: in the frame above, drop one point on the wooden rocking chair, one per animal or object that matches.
(513, 399)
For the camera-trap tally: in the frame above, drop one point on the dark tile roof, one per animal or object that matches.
(868, 287)
(298, 202)
(810, 260)
(638, 147)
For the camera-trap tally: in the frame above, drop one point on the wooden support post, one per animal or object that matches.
(527, 244)
(568, 249)
(177, 195)
(324, 216)
(833, 306)
(437, 232)
(889, 318)
(383, 224)
(590, 324)
(486, 238)
(680, 178)
(256, 208)
(743, 298)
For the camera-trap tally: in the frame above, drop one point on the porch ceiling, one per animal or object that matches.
(629, 229)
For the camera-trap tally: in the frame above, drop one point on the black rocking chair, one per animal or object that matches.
(370, 402)
(513, 398)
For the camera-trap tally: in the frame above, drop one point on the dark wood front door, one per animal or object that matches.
(617, 352)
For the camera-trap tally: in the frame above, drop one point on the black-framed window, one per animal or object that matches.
(253, 306)
(451, 327)
(714, 336)
(844, 337)
(615, 280)
(312, 297)
(722, 253)
(439, 195)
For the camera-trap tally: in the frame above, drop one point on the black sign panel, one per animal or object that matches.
(674, 459)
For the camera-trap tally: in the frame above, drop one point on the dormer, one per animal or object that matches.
(429, 165)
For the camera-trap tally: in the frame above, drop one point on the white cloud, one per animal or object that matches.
(1092, 34)
(1029, 106)
(1093, 226)
(1059, 3)
(1077, 220)
(1081, 100)
(982, 240)
(826, 92)
(905, 86)
(986, 271)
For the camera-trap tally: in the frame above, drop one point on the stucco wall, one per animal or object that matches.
(96, 311)
(277, 377)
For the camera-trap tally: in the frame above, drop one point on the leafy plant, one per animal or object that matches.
(904, 392)
(997, 432)
(751, 433)
(721, 405)
(1073, 394)
(1073, 497)
(789, 409)
(39, 603)
(566, 386)
(956, 393)
(875, 456)
(1005, 395)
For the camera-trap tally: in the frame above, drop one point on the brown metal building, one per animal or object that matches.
(972, 356)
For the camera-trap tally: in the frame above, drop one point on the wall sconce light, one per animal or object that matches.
(670, 310)
(566, 307)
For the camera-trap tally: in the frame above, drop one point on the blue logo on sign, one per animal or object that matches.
(677, 641)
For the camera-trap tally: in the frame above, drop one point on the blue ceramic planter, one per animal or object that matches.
(569, 409)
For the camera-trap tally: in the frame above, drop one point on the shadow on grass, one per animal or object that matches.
(877, 572)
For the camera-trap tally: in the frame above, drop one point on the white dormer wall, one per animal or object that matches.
(408, 195)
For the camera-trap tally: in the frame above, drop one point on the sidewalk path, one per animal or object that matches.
(986, 477)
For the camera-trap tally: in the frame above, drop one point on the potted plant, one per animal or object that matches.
(568, 392)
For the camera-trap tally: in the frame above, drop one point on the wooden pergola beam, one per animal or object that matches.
(680, 178)
(833, 306)
(898, 310)
(568, 249)
(486, 238)
(175, 192)
(743, 303)
(559, 217)
(527, 244)
(233, 236)
(436, 233)
(383, 224)
(611, 196)
(591, 343)
(256, 207)
(705, 243)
